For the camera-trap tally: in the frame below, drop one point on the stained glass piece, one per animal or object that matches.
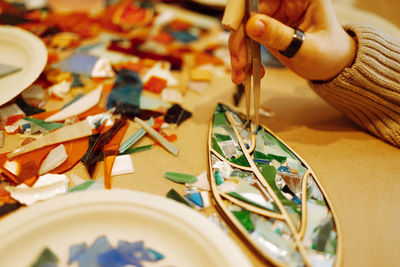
(47, 186)
(55, 157)
(112, 258)
(134, 138)
(26, 108)
(81, 105)
(83, 186)
(127, 110)
(195, 198)
(49, 126)
(154, 255)
(180, 177)
(159, 138)
(75, 251)
(202, 182)
(137, 149)
(127, 89)
(176, 114)
(172, 194)
(78, 63)
(244, 218)
(122, 165)
(90, 255)
(6, 69)
(76, 98)
(46, 259)
(76, 81)
(219, 179)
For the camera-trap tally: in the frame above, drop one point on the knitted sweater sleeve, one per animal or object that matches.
(368, 92)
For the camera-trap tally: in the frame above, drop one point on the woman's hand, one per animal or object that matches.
(325, 52)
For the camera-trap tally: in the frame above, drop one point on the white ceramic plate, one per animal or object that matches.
(23, 49)
(182, 235)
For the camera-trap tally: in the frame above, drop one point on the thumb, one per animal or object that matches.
(269, 32)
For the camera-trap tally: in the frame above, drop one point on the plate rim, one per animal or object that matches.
(39, 52)
(221, 241)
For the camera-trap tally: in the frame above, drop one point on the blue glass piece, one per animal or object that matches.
(127, 89)
(283, 169)
(76, 81)
(78, 63)
(154, 255)
(76, 251)
(133, 253)
(112, 258)
(89, 257)
(184, 36)
(196, 199)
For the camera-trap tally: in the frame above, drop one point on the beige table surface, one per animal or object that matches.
(360, 173)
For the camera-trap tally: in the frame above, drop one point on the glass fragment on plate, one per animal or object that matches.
(270, 194)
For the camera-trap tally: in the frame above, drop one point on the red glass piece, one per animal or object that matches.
(155, 84)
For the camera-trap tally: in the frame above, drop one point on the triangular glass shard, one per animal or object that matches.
(270, 196)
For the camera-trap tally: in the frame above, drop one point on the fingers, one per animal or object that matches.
(237, 49)
(269, 32)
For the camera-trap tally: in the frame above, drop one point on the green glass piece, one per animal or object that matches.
(219, 120)
(218, 178)
(323, 235)
(216, 146)
(269, 173)
(244, 218)
(182, 178)
(222, 137)
(280, 159)
(46, 258)
(136, 149)
(135, 137)
(50, 126)
(240, 197)
(172, 194)
(83, 186)
(242, 161)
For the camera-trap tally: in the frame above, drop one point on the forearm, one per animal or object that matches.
(368, 91)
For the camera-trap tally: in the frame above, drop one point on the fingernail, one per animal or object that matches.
(256, 28)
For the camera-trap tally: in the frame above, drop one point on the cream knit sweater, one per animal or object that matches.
(368, 92)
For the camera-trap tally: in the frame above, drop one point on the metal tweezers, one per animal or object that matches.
(252, 68)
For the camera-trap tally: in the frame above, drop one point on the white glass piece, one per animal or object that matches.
(202, 182)
(315, 215)
(60, 89)
(122, 165)
(102, 69)
(81, 105)
(47, 186)
(10, 110)
(54, 159)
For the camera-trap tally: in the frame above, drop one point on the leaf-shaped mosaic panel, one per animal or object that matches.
(270, 195)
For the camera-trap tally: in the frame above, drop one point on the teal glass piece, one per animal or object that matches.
(83, 186)
(154, 255)
(49, 126)
(133, 139)
(244, 218)
(172, 194)
(127, 88)
(46, 259)
(219, 179)
(76, 81)
(181, 178)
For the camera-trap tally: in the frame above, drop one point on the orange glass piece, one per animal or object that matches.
(76, 149)
(155, 84)
(180, 25)
(93, 111)
(133, 66)
(163, 37)
(13, 119)
(202, 58)
(158, 122)
(110, 153)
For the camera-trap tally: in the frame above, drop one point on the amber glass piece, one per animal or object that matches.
(110, 152)
(93, 111)
(76, 149)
